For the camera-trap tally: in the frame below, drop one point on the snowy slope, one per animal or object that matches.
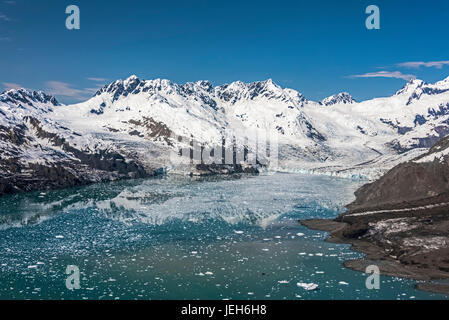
(142, 120)
(335, 133)
(341, 98)
(38, 152)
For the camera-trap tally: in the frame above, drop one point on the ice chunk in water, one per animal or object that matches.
(307, 286)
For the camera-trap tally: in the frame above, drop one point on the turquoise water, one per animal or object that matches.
(184, 238)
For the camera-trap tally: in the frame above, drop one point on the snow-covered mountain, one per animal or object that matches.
(38, 152)
(132, 128)
(341, 98)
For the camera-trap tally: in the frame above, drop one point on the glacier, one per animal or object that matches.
(131, 128)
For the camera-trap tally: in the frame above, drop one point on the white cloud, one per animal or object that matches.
(64, 89)
(385, 74)
(98, 79)
(9, 85)
(91, 91)
(4, 17)
(5, 39)
(429, 64)
(10, 2)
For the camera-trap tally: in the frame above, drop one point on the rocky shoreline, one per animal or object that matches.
(418, 255)
(401, 222)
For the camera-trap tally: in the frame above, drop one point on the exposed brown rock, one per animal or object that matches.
(401, 222)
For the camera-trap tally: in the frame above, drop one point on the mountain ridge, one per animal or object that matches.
(141, 120)
(132, 82)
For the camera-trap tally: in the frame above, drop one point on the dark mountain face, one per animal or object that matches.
(413, 183)
(122, 88)
(69, 167)
(22, 96)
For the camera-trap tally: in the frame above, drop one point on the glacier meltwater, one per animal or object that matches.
(184, 238)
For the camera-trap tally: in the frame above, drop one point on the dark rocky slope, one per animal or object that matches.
(40, 154)
(408, 184)
(69, 167)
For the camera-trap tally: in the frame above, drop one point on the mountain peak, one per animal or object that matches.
(259, 89)
(269, 83)
(22, 95)
(131, 79)
(120, 87)
(411, 86)
(341, 98)
(265, 86)
(204, 83)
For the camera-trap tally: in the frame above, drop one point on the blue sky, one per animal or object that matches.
(315, 47)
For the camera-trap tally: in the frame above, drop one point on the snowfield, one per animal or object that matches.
(142, 122)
